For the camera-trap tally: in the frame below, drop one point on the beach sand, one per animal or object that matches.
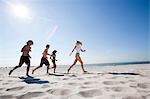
(102, 82)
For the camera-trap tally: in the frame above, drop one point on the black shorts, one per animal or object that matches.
(24, 59)
(54, 64)
(44, 61)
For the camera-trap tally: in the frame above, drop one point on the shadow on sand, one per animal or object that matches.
(123, 73)
(53, 74)
(32, 80)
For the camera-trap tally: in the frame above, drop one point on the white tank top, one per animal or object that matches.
(78, 48)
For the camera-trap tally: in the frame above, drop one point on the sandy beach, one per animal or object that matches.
(102, 82)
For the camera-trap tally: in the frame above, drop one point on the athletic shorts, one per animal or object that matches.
(24, 59)
(44, 61)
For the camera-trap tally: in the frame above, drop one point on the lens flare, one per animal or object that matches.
(20, 11)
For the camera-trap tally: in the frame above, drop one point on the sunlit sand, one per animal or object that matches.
(102, 82)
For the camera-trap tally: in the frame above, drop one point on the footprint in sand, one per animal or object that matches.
(147, 97)
(90, 93)
(80, 78)
(92, 77)
(119, 89)
(65, 79)
(111, 82)
(45, 86)
(123, 82)
(74, 84)
(144, 92)
(133, 85)
(30, 95)
(53, 82)
(10, 80)
(144, 85)
(59, 92)
(6, 97)
(132, 80)
(90, 82)
(5, 83)
(1, 88)
(134, 97)
(89, 77)
(15, 88)
(84, 87)
(113, 77)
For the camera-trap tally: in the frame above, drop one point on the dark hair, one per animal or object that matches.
(29, 41)
(47, 46)
(54, 51)
(79, 42)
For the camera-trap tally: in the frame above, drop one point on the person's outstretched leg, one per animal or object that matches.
(20, 64)
(13, 69)
(36, 69)
(75, 61)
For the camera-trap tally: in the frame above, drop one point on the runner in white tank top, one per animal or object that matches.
(78, 48)
(77, 57)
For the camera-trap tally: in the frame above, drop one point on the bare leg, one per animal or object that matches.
(13, 69)
(28, 68)
(82, 66)
(75, 61)
(54, 66)
(47, 69)
(36, 69)
(54, 70)
(20, 64)
(80, 60)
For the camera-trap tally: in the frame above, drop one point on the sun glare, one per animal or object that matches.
(20, 11)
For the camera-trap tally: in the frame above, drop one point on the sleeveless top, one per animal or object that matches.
(78, 48)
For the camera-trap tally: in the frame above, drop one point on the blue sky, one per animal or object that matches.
(111, 30)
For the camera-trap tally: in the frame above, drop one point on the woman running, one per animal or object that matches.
(77, 56)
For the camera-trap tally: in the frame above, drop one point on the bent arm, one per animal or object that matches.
(83, 50)
(46, 51)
